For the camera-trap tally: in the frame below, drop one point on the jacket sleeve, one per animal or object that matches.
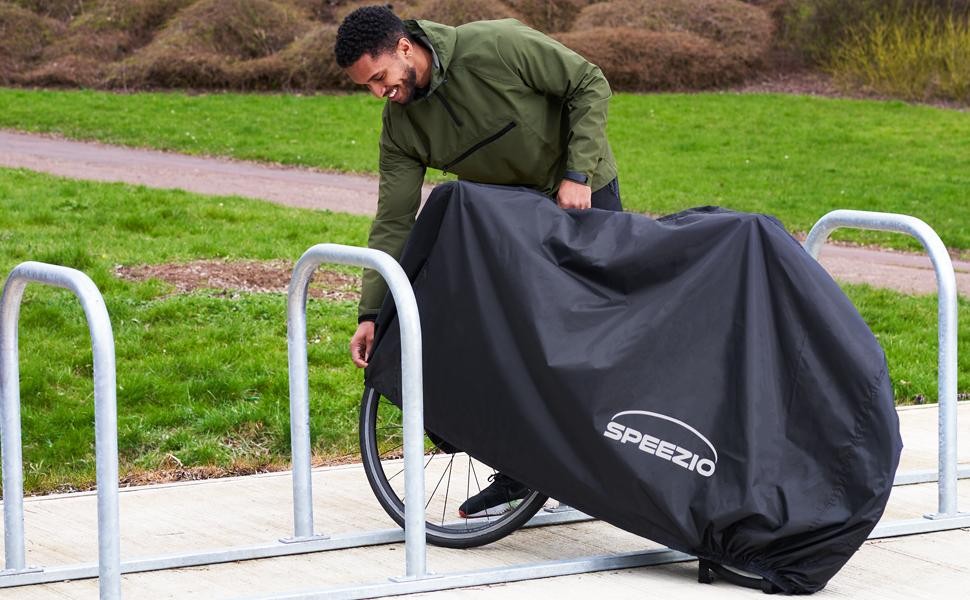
(550, 68)
(399, 196)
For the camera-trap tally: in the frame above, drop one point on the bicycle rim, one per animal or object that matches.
(449, 480)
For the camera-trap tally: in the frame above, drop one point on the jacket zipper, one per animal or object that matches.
(448, 108)
(477, 146)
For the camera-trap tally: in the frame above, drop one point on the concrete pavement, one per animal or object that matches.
(194, 516)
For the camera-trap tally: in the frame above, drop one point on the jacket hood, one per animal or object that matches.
(441, 39)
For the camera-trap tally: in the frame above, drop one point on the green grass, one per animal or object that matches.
(792, 156)
(327, 132)
(202, 377)
(906, 327)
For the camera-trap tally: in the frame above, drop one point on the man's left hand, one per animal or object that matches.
(573, 195)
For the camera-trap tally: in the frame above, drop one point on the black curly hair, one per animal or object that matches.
(369, 30)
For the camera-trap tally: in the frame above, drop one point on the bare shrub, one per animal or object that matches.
(640, 60)
(457, 12)
(23, 37)
(166, 68)
(288, 44)
(404, 9)
(742, 30)
(241, 28)
(140, 20)
(332, 11)
(104, 34)
(62, 10)
(71, 70)
(549, 15)
(203, 44)
(309, 62)
(320, 10)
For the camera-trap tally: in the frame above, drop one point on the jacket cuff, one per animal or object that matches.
(367, 317)
(577, 177)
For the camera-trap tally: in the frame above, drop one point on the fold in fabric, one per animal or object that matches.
(697, 379)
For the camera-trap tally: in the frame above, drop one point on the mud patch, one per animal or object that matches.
(253, 276)
(171, 470)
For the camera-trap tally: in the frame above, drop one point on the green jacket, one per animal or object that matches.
(506, 105)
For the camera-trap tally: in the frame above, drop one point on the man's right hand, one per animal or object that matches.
(361, 343)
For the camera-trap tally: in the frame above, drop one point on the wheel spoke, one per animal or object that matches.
(488, 518)
(468, 492)
(451, 464)
(382, 427)
(440, 479)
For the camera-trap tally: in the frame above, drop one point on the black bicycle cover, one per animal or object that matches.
(697, 379)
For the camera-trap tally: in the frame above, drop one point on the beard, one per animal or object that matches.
(410, 86)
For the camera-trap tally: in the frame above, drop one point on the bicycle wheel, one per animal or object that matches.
(450, 478)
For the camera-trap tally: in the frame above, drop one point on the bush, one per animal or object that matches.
(640, 60)
(915, 55)
(139, 20)
(240, 28)
(307, 64)
(63, 10)
(23, 37)
(816, 28)
(202, 45)
(341, 8)
(320, 10)
(100, 36)
(456, 12)
(742, 30)
(549, 15)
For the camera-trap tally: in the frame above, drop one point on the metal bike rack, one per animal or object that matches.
(947, 515)
(105, 421)
(303, 540)
(416, 577)
(947, 518)
(412, 391)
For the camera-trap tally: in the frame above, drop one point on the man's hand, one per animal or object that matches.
(573, 195)
(361, 343)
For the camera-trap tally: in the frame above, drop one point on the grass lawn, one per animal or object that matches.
(202, 377)
(794, 157)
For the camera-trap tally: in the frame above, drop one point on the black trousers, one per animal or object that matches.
(608, 197)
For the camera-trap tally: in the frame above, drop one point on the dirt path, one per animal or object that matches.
(357, 194)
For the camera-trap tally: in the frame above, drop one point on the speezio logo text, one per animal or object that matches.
(683, 452)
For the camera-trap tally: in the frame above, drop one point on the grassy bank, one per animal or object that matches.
(791, 156)
(202, 376)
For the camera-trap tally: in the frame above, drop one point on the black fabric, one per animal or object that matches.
(608, 196)
(698, 379)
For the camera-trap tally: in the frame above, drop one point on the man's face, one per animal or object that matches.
(390, 75)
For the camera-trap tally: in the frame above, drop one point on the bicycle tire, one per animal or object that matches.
(460, 533)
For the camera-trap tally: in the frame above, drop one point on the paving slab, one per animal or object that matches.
(240, 511)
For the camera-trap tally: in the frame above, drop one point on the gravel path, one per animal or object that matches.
(357, 194)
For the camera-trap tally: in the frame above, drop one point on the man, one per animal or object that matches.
(492, 102)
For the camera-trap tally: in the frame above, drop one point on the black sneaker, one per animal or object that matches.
(500, 497)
